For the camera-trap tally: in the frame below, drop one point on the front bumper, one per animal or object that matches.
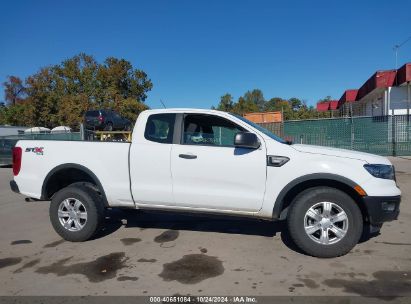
(382, 208)
(14, 187)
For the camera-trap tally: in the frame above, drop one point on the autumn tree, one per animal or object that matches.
(14, 90)
(60, 94)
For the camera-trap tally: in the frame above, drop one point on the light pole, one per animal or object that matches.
(395, 48)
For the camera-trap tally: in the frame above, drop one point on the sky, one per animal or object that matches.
(196, 51)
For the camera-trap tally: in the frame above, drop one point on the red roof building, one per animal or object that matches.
(384, 93)
(403, 74)
(333, 105)
(380, 80)
(323, 106)
(329, 105)
(347, 97)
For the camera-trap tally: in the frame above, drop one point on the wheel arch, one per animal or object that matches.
(66, 174)
(296, 186)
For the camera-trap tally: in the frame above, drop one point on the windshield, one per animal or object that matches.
(261, 129)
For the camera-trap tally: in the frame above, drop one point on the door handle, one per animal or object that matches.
(187, 156)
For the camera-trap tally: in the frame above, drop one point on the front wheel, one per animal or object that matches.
(76, 213)
(324, 222)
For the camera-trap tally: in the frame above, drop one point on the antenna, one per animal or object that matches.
(396, 47)
(162, 103)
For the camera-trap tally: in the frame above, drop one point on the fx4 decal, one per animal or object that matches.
(37, 150)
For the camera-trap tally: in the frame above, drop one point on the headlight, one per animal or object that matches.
(381, 171)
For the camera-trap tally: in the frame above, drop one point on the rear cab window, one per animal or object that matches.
(160, 128)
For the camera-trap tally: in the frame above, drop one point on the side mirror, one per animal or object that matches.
(246, 140)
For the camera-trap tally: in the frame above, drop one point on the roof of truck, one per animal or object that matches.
(192, 110)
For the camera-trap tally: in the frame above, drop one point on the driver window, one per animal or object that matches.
(200, 129)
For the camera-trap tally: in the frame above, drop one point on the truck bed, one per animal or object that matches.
(108, 160)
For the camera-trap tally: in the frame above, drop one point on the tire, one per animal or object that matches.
(301, 222)
(108, 127)
(92, 205)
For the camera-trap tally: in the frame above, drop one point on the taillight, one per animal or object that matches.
(101, 118)
(17, 153)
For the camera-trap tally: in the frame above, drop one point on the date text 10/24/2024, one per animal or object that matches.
(203, 299)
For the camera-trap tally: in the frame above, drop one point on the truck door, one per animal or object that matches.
(209, 172)
(150, 172)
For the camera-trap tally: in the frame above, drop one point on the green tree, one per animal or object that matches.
(244, 106)
(44, 93)
(276, 104)
(20, 114)
(256, 97)
(253, 101)
(295, 103)
(226, 103)
(130, 108)
(2, 113)
(325, 99)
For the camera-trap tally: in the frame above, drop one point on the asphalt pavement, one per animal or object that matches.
(148, 253)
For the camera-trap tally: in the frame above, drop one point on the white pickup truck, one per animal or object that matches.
(192, 160)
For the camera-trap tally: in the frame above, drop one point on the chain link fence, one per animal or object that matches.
(383, 135)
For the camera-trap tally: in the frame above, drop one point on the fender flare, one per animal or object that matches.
(73, 166)
(279, 202)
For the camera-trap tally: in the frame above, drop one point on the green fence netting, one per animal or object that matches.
(8, 142)
(383, 135)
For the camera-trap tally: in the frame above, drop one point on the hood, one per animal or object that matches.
(329, 151)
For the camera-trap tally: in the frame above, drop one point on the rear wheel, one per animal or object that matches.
(76, 213)
(324, 222)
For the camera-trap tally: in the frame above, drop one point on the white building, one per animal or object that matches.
(384, 93)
